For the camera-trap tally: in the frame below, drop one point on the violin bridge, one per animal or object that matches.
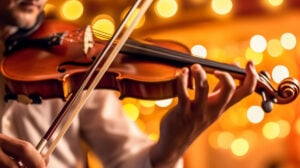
(88, 42)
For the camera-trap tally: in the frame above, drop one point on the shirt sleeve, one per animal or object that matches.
(115, 139)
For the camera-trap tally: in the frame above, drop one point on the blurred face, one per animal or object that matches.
(20, 13)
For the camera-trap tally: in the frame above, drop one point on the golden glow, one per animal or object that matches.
(147, 103)
(250, 135)
(256, 57)
(221, 7)
(147, 110)
(199, 51)
(240, 147)
(131, 111)
(288, 41)
(240, 61)
(231, 120)
(49, 8)
(141, 124)
(255, 114)
(275, 2)
(103, 26)
(166, 8)
(271, 130)
(153, 136)
(298, 126)
(279, 73)
(285, 128)
(197, 2)
(217, 53)
(238, 120)
(72, 9)
(212, 139)
(131, 19)
(225, 139)
(274, 48)
(258, 43)
(94, 160)
(164, 103)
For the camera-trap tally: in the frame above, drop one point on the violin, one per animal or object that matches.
(145, 70)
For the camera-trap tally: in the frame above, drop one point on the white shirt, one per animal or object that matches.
(101, 124)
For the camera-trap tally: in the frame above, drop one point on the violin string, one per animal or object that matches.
(172, 55)
(102, 34)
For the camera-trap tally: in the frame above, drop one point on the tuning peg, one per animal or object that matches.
(267, 105)
(265, 74)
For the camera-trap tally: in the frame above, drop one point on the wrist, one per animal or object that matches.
(162, 157)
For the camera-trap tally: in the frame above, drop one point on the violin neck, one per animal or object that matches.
(180, 59)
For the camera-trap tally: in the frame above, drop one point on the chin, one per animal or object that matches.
(25, 20)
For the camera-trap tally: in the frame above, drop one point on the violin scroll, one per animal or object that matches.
(287, 91)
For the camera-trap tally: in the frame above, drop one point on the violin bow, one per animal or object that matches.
(73, 106)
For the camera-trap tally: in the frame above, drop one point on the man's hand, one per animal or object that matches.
(15, 153)
(186, 121)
